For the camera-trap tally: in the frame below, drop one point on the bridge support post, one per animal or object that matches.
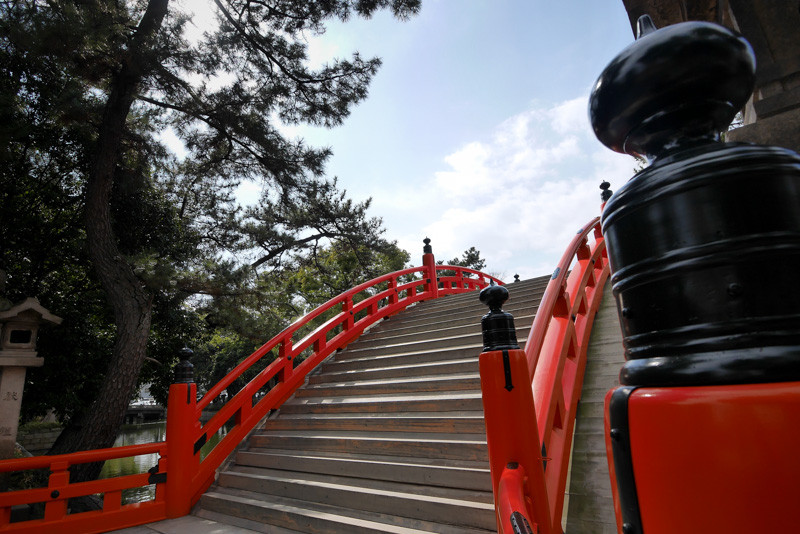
(182, 425)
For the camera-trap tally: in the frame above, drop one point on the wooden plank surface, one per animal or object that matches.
(590, 508)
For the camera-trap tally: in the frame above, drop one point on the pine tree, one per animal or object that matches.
(88, 87)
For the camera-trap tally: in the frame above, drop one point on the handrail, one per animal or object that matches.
(248, 410)
(181, 475)
(532, 427)
(59, 490)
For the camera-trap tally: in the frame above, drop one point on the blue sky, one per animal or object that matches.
(475, 132)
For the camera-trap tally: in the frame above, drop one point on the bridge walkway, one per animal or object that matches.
(589, 508)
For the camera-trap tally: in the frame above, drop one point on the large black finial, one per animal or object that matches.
(701, 243)
(694, 245)
(498, 326)
(606, 193)
(184, 371)
(427, 249)
(682, 84)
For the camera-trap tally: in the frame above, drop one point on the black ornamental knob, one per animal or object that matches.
(701, 241)
(498, 326)
(184, 371)
(605, 192)
(673, 86)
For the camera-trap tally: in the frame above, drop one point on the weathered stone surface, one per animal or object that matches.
(781, 130)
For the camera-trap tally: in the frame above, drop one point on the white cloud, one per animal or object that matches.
(520, 195)
(570, 116)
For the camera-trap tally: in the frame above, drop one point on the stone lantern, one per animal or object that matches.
(18, 327)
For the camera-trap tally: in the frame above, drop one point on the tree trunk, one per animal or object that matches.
(132, 304)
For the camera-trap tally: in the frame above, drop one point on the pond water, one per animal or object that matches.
(140, 434)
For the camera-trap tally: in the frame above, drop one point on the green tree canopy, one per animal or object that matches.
(469, 258)
(133, 245)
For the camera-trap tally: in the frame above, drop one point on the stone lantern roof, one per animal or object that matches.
(28, 308)
(19, 325)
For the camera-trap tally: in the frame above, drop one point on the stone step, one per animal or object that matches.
(412, 354)
(534, 285)
(454, 308)
(447, 307)
(461, 508)
(471, 447)
(386, 468)
(427, 402)
(469, 422)
(232, 524)
(368, 484)
(386, 436)
(424, 319)
(455, 382)
(430, 347)
(406, 356)
(409, 335)
(467, 364)
(251, 510)
(591, 508)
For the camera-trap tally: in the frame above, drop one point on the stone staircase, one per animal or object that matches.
(388, 436)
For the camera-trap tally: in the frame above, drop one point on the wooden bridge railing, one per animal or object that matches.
(183, 473)
(530, 396)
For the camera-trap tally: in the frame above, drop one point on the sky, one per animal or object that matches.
(475, 131)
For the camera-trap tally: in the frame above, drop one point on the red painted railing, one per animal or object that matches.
(530, 396)
(55, 496)
(182, 473)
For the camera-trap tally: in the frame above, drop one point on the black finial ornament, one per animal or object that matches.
(701, 241)
(644, 25)
(184, 371)
(516, 278)
(498, 326)
(427, 249)
(677, 86)
(606, 192)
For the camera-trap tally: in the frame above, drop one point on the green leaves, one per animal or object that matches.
(212, 274)
(470, 258)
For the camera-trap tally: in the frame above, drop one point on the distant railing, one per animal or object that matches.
(530, 396)
(183, 473)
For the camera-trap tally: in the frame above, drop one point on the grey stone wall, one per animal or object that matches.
(37, 441)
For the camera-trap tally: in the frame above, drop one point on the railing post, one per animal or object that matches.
(605, 194)
(285, 355)
(181, 438)
(512, 432)
(429, 262)
(347, 308)
(56, 509)
(393, 296)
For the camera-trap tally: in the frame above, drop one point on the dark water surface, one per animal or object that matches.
(140, 434)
